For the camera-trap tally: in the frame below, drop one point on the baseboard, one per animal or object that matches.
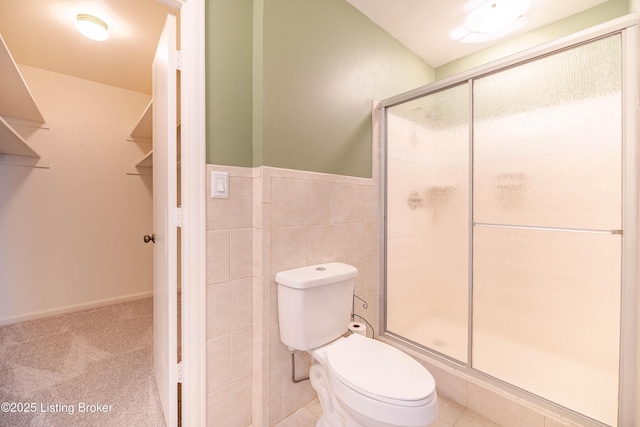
(72, 308)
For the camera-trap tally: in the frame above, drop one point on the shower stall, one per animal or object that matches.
(510, 232)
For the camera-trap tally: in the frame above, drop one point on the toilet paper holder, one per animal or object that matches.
(365, 305)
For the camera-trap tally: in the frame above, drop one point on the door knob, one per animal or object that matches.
(151, 238)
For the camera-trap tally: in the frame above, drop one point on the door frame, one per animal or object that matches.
(193, 230)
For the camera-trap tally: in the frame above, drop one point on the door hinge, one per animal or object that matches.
(178, 60)
(179, 216)
(179, 372)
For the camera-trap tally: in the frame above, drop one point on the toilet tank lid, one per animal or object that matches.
(316, 275)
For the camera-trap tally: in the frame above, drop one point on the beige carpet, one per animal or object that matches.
(89, 368)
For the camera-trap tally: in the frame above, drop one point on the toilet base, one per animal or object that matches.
(320, 383)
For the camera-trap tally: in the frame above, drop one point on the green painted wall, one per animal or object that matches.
(596, 15)
(324, 62)
(229, 80)
(311, 70)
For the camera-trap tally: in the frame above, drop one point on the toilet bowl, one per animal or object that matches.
(363, 382)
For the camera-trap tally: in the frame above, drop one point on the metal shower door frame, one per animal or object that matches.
(627, 26)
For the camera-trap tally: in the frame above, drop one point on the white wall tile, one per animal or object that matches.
(363, 240)
(241, 253)
(296, 395)
(326, 243)
(218, 358)
(230, 406)
(241, 354)
(261, 304)
(346, 203)
(558, 422)
(217, 256)
(500, 409)
(234, 212)
(370, 274)
(280, 359)
(228, 307)
(288, 248)
(275, 401)
(448, 384)
(299, 202)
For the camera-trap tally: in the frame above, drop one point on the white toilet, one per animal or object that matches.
(360, 382)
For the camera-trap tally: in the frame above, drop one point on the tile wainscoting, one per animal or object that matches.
(275, 219)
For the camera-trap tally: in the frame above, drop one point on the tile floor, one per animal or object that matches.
(451, 415)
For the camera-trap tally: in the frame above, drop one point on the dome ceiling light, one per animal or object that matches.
(491, 20)
(496, 16)
(91, 27)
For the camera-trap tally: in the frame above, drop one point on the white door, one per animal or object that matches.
(165, 221)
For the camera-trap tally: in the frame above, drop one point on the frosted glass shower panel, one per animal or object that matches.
(546, 312)
(427, 220)
(548, 140)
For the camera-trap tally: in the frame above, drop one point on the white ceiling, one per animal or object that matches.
(40, 33)
(424, 26)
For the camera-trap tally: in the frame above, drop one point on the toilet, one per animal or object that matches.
(361, 382)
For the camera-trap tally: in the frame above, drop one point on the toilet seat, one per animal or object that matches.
(380, 371)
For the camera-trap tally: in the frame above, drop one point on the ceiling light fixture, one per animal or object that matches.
(495, 16)
(91, 27)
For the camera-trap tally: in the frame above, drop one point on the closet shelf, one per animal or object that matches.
(143, 132)
(16, 102)
(147, 161)
(12, 143)
(143, 167)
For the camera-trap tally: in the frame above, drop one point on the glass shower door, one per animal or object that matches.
(547, 211)
(504, 224)
(428, 221)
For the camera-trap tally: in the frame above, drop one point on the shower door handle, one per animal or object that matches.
(151, 238)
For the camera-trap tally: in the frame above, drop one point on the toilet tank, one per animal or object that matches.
(314, 304)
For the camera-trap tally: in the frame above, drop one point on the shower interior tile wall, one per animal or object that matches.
(289, 219)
